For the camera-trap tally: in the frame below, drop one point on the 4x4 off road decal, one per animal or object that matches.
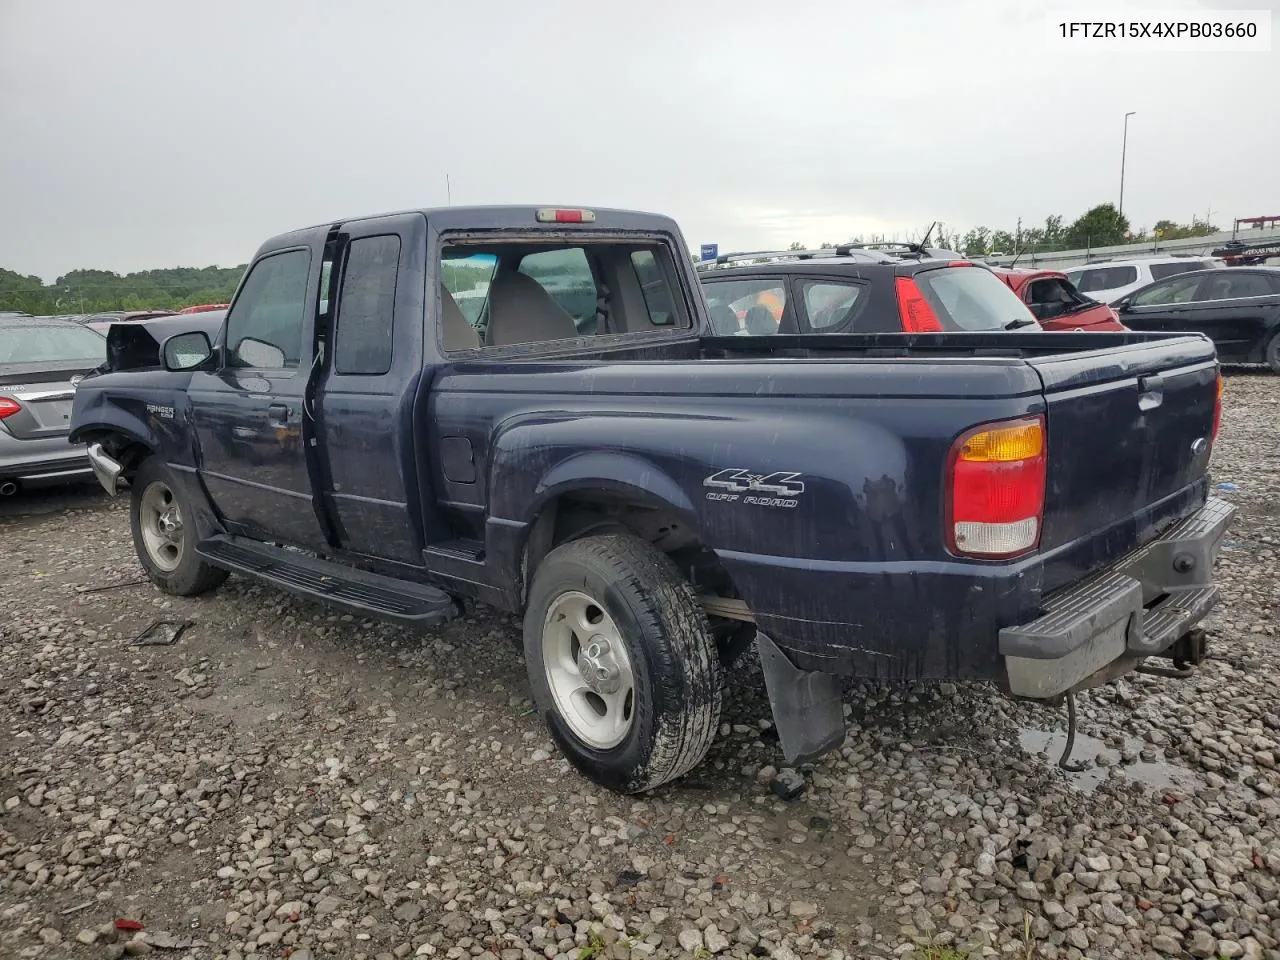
(760, 490)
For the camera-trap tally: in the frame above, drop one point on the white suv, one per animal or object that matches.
(1108, 280)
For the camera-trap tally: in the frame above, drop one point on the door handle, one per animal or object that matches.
(278, 411)
(1150, 391)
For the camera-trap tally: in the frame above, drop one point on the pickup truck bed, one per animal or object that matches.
(1025, 508)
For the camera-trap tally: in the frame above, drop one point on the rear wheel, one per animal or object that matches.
(1272, 355)
(165, 543)
(622, 662)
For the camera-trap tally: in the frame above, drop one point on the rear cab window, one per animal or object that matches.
(972, 299)
(525, 292)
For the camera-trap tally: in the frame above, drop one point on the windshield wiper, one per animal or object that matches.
(1019, 322)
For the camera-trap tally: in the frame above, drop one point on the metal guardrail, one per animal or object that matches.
(1188, 246)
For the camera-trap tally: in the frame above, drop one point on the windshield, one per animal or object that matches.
(36, 343)
(971, 298)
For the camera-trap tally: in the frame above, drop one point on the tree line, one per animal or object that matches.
(1100, 226)
(95, 291)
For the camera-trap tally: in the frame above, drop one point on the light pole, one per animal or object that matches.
(1124, 144)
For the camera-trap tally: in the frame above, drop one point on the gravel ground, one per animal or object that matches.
(283, 781)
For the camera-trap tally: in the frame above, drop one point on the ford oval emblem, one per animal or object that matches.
(1198, 446)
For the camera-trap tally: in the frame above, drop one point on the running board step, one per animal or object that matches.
(359, 591)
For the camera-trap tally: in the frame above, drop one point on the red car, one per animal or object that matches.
(1056, 303)
(205, 308)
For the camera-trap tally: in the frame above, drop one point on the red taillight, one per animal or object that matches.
(917, 315)
(8, 407)
(959, 263)
(1217, 411)
(557, 215)
(995, 490)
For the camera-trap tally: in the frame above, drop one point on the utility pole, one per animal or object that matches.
(1017, 238)
(1124, 144)
(448, 191)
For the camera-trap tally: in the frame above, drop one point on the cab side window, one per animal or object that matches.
(264, 327)
(366, 306)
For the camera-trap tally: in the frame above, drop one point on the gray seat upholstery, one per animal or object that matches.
(724, 322)
(521, 311)
(759, 322)
(458, 334)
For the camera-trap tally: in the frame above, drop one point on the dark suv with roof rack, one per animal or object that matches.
(856, 289)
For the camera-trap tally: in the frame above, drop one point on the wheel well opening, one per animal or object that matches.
(126, 451)
(586, 514)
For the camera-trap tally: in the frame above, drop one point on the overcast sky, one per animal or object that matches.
(141, 133)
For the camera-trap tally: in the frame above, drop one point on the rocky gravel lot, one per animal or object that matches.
(286, 782)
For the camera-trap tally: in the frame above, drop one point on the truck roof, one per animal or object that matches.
(502, 216)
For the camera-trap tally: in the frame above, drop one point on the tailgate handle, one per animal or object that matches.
(1150, 391)
(278, 412)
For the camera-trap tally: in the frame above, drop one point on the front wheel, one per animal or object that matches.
(165, 542)
(622, 662)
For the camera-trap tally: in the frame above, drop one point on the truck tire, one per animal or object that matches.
(1272, 356)
(165, 547)
(622, 662)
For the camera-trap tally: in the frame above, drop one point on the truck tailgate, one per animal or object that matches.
(1129, 429)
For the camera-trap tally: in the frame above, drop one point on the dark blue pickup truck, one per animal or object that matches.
(525, 407)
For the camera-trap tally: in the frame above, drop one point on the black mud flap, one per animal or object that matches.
(807, 709)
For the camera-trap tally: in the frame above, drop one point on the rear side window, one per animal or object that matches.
(828, 305)
(1226, 285)
(1161, 270)
(971, 298)
(745, 307)
(366, 306)
(1106, 278)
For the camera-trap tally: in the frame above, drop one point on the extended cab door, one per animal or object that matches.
(369, 386)
(248, 415)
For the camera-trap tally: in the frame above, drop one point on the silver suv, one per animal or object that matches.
(1108, 280)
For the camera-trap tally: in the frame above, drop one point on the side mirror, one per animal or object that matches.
(186, 351)
(259, 354)
(1121, 305)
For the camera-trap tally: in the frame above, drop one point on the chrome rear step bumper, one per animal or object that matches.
(1139, 607)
